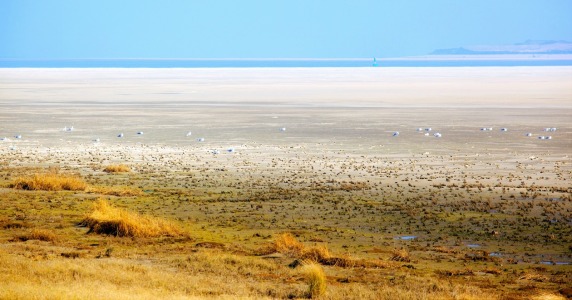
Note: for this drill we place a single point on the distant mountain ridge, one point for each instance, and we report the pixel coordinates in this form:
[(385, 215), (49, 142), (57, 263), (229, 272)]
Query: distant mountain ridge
[(526, 47)]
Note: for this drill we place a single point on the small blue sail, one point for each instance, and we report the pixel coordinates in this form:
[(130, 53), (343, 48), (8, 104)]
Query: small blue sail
[(374, 62)]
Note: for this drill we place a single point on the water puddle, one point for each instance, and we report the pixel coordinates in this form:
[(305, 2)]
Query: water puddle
[(555, 262), (406, 237)]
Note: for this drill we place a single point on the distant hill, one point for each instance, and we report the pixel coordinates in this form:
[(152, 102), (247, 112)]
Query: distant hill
[(527, 47)]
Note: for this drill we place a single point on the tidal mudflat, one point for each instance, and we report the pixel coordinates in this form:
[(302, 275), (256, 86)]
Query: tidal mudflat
[(263, 170)]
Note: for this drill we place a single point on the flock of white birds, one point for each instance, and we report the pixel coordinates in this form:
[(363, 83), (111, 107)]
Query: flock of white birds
[(425, 131)]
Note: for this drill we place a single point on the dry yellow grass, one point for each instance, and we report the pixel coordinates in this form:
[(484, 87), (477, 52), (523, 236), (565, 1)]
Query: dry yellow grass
[(400, 255), (40, 234), (204, 274), (317, 254), (120, 191), (287, 244), (315, 277), (117, 169), (547, 296), (106, 219), (50, 182), (54, 181), (534, 277), (6, 223)]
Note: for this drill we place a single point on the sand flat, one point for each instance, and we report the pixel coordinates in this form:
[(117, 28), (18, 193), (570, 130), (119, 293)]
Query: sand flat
[(543, 87), (342, 105)]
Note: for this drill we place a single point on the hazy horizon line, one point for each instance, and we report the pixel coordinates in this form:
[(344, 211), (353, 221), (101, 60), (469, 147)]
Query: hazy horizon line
[(422, 56)]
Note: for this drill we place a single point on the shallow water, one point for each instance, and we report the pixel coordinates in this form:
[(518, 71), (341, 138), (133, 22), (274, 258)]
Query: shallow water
[(555, 263), (407, 237)]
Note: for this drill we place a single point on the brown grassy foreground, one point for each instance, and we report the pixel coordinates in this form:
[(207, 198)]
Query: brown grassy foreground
[(199, 232)]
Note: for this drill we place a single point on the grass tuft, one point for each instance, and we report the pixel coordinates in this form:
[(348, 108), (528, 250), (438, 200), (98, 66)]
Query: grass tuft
[(315, 277), (317, 254), (106, 219), (50, 182), (117, 169), (39, 234), (401, 255), (287, 244)]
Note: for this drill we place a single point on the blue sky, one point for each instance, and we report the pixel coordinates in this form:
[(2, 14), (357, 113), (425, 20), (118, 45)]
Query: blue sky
[(270, 29)]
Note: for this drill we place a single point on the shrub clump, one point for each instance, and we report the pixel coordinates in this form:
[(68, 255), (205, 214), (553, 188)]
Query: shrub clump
[(400, 255), (106, 219), (315, 277), (117, 169), (50, 182), (287, 244)]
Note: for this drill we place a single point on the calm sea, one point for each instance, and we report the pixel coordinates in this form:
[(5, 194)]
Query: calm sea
[(268, 63)]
